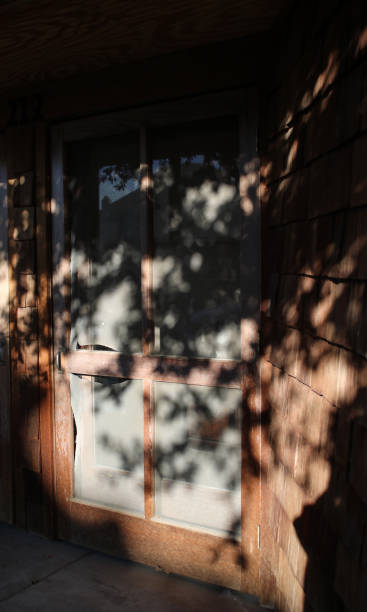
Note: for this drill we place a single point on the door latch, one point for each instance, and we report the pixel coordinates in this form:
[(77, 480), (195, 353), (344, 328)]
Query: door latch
[(58, 360)]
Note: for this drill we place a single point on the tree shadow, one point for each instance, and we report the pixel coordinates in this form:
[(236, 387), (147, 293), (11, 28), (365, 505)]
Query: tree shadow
[(313, 340), (197, 441), (313, 356)]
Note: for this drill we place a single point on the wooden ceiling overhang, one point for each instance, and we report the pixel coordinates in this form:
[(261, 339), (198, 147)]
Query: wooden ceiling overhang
[(48, 40)]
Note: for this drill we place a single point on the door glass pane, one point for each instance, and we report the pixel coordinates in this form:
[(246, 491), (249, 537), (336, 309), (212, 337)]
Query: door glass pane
[(104, 203), (196, 236), (109, 455), (198, 455), (105, 243)]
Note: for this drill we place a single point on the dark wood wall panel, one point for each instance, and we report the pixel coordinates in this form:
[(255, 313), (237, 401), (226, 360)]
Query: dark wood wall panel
[(180, 74), (29, 325), (5, 437)]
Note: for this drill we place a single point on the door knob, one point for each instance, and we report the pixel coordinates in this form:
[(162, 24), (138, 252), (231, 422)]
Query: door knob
[(58, 359)]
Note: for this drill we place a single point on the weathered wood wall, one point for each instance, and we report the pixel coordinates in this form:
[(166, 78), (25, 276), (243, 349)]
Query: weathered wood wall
[(314, 200)]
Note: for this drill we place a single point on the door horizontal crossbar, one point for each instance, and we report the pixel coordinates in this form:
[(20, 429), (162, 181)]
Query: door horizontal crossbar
[(207, 372)]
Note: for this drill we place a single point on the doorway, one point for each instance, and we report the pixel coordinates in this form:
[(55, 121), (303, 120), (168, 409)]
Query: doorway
[(154, 268)]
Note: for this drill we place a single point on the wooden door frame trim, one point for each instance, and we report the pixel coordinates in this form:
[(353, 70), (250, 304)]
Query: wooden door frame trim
[(42, 210), (63, 420), (250, 345)]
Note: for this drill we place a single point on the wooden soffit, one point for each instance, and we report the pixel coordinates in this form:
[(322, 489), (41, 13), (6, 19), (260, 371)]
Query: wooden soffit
[(46, 39)]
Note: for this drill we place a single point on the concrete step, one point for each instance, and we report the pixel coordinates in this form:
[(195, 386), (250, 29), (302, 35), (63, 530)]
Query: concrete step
[(39, 574)]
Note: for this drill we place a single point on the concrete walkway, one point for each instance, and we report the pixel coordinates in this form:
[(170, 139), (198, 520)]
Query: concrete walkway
[(38, 575)]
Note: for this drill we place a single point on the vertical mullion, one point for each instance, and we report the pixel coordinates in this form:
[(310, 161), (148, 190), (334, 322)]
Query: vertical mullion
[(147, 317), (146, 246), (148, 449)]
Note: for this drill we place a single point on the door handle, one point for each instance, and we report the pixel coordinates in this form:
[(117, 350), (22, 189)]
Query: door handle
[(94, 347), (58, 359)]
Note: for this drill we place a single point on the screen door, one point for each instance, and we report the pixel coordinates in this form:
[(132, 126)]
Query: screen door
[(153, 359)]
